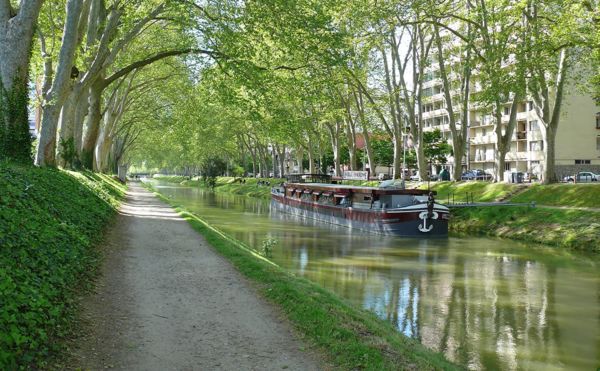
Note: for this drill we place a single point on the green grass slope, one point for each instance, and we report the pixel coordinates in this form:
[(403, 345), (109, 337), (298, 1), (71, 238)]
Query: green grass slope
[(49, 221), (576, 229), (477, 191), (573, 195)]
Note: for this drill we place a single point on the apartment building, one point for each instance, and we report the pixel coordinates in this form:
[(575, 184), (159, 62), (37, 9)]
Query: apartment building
[(577, 139)]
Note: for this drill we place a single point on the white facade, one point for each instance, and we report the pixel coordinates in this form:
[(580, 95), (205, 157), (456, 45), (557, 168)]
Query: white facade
[(577, 139)]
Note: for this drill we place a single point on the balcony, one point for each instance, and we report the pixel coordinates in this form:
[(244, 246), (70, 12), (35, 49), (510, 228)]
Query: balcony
[(520, 135), (432, 82), (435, 113), (535, 135), (516, 156), (437, 97), (536, 155), (483, 139), (483, 159)]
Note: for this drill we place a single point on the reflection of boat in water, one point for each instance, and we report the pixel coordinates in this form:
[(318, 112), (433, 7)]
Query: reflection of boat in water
[(381, 210)]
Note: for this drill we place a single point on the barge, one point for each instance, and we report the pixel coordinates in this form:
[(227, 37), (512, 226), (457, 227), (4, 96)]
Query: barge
[(381, 210)]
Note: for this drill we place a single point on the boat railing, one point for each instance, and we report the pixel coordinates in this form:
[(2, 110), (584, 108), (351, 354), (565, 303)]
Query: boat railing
[(469, 201)]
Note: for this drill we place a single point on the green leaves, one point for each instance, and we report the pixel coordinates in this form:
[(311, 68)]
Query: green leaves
[(48, 222)]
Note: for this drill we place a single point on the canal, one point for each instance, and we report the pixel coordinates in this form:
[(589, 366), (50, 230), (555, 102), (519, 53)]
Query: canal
[(485, 303)]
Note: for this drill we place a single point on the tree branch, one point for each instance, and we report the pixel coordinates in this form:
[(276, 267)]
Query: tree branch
[(29, 10), (203, 10), (6, 11), (455, 33), (144, 62), (288, 68), (135, 31)]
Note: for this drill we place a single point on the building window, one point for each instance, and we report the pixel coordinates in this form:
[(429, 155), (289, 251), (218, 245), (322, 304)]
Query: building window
[(507, 110), (533, 125), (598, 143), (583, 162), (598, 120), (483, 132), (507, 166), (538, 145), (530, 106)]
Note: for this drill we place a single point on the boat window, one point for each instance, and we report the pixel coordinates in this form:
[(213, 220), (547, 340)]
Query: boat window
[(324, 199)]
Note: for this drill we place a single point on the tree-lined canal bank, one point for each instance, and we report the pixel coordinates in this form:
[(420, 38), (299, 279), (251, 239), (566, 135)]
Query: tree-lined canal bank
[(485, 303)]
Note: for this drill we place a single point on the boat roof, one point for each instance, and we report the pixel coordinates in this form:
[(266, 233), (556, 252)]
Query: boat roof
[(345, 188)]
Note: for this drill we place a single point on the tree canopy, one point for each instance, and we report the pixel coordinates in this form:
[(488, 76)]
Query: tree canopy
[(268, 85)]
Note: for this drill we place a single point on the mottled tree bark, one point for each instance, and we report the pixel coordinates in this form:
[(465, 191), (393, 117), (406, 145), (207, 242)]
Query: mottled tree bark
[(16, 38), (46, 149)]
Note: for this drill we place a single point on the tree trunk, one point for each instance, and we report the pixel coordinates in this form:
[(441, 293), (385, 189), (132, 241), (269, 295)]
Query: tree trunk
[(351, 136), (300, 159), (549, 173), (311, 162), (500, 150), (398, 147), (397, 165), (46, 149), (458, 147), (103, 142), (459, 136), (281, 153), (81, 112), (311, 158), (262, 156), (66, 127), (422, 160), (334, 134), (503, 140), (16, 38), (358, 98), (369, 150), (92, 124)]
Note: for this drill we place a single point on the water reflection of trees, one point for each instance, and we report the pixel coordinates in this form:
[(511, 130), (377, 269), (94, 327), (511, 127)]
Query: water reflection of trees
[(482, 311), (483, 305)]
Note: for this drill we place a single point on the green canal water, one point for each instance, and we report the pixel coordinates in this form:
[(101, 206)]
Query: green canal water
[(485, 303)]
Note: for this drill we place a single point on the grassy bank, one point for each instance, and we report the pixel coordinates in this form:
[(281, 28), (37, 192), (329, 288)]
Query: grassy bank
[(351, 338), (476, 191), (571, 195), (250, 186), (49, 222), (574, 229)]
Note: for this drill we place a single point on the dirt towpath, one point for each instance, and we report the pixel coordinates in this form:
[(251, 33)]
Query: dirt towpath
[(166, 301)]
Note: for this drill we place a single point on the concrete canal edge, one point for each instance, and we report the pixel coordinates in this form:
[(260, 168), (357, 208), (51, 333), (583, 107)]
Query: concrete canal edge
[(349, 337)]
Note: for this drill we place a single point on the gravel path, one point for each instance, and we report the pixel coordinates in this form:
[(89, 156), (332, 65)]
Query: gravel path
[(166, 301)]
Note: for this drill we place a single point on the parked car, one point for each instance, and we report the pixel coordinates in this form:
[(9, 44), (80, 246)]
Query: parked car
[(417, 178), (582, 177), (476, 174)]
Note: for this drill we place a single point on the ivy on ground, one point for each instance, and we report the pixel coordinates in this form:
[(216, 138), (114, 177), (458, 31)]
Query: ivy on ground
[(49, 221)]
